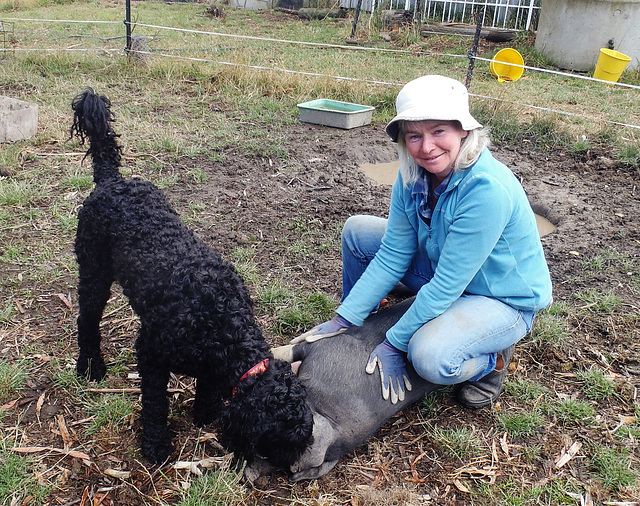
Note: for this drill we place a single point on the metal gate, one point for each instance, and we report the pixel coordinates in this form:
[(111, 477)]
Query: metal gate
[(514, 14)]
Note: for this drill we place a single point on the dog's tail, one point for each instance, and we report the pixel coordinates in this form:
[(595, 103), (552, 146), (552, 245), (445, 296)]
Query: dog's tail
[(92, 118)]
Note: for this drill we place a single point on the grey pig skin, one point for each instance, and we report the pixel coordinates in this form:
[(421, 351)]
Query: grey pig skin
[(346, 402)]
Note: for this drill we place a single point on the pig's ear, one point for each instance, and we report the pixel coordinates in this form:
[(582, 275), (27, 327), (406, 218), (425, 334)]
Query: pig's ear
[(316, 461)]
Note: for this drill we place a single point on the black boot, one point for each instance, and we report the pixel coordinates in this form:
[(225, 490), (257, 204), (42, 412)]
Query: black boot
[(485, 391)]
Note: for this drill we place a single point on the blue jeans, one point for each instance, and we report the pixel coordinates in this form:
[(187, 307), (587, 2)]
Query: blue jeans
[(459, 345)]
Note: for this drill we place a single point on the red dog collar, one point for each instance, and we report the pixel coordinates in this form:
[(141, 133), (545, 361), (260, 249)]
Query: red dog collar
[(259, 368)]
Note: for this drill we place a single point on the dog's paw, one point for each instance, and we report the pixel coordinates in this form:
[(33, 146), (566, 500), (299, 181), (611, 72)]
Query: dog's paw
[(92, 368), (154, 451)]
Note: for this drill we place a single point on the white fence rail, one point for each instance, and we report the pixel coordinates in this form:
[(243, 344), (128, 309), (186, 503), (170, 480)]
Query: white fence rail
[(514, 14)]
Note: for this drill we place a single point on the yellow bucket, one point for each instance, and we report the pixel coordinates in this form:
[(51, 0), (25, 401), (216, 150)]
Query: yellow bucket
[(610, 65), (502, 68)]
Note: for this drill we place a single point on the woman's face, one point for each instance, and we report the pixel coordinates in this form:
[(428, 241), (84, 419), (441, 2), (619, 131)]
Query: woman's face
[(434, 145)]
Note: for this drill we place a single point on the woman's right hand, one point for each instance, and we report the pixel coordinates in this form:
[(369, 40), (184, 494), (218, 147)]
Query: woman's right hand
[(337, 325)]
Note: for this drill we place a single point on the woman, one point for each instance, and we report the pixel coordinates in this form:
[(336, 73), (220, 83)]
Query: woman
[(461, 235)]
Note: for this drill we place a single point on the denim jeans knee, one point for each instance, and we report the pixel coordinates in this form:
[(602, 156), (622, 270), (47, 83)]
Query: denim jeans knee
[(361, 239), (461, 344)]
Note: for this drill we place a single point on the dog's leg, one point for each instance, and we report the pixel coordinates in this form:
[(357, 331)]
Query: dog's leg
[(154, 374), (208, 402), (93, 293)]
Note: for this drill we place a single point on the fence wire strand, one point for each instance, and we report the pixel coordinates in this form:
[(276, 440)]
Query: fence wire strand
[(328, 46)]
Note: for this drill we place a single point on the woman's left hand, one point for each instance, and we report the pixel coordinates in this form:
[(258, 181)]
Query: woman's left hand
[(393, 372)]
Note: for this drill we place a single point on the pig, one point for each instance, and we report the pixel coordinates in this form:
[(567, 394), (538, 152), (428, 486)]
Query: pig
[(345, 401)]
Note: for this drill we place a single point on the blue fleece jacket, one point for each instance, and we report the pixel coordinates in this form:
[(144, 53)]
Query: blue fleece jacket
[(482, 240)]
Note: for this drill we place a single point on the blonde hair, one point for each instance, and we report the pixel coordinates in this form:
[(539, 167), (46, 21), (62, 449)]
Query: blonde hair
[(470, 150)]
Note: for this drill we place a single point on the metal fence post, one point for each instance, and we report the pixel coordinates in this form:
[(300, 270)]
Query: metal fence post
[(474, 49)]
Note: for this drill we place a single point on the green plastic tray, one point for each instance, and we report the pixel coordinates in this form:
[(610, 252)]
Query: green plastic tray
[(334, 113)]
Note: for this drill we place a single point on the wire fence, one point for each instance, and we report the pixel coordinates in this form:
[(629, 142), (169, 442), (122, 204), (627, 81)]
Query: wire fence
[(260, 54)]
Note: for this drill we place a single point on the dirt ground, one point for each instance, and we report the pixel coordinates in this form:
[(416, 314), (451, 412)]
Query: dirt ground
[(595, 205)]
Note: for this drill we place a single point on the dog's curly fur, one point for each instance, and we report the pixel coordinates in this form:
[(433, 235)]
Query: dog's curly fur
[(195, 312)]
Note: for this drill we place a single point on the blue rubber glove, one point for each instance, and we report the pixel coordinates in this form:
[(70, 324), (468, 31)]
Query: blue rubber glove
[(393, 372), (337, 325)]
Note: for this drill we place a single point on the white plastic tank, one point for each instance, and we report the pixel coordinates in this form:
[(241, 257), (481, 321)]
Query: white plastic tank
[(571, 32)]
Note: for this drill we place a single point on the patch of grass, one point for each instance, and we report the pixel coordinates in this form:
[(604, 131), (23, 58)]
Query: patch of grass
[(113, 412), (293, 313), (431, 404), (606, 260), (18, 482), (121, 363), (7, 311), (167, 181), (524, 389), (519, 425), (514, 493), (629, 155), (599, 302), (198, 176), (65, 378), (594, 384), (218, 488), (571, 412), (612, 466), (550, 328), (78, 182), (304, 313), (12, 378), (15, 192), (273, 296), (460, 443), (530, 453), (244, 261)]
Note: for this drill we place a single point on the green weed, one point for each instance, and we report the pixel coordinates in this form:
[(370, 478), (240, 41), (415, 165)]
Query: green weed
[(432, 403), (549, 329), (244, 261), (460, 443), (571, 412), (519, 425), (218, 488), (18, 482), (613, 466), (18, 193), (594, 384), (65, 378), (304, 313), (12, 379), (524, 389), (110, 411), (514, 493), (599, 302)]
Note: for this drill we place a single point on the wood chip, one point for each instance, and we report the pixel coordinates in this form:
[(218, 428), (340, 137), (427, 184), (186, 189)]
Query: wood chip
[(568, 455), (460, 486), (120, 475), (39, 405), (36, 449), (65, 300), (64, 432)]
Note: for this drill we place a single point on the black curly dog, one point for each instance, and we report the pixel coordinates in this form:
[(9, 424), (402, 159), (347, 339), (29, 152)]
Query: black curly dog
[(195, 312)]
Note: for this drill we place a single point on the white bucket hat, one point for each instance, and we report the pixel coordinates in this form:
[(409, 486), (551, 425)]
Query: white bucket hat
[(432, 98)]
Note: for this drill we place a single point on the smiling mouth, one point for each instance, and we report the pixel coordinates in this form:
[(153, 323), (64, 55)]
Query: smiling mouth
[(429, 160)]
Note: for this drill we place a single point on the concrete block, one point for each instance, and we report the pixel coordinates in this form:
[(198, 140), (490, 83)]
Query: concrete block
[(18, 119)]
